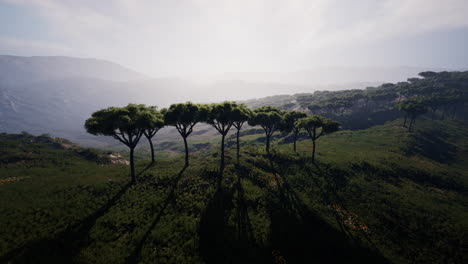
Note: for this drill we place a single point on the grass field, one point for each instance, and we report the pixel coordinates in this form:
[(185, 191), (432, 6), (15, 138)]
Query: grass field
[(376, 195)]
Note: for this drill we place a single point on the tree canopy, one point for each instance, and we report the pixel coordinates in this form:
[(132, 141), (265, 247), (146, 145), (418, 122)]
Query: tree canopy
[(155, 123), (184, 116), (289, 124), (125, 124), (221, 117), (317, 126), (270, 119)]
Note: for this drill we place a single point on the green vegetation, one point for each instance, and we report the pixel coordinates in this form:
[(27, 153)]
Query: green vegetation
[(270, 119), (385, 194), (126, 124), (317, 126), (362, 200), (155, 122), (184, 117)]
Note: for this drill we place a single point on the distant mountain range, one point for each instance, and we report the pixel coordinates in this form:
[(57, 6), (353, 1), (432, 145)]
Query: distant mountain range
[(56, 94)]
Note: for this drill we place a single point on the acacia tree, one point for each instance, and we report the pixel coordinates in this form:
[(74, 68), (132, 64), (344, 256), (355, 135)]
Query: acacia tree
[(289, 124), (220, 116), (240, 115), (155, 123), (184, 117), (317, 126), (126, 124), (269, 118)]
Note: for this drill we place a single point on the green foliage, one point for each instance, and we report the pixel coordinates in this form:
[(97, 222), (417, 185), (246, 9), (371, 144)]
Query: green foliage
[(126, 124), (289, 121), (240, 115), (270, 119), (185, 116), (317, 126), (221, 116)]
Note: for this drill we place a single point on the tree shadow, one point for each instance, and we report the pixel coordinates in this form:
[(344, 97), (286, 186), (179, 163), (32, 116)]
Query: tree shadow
[(215, 237), (64, 246), (225, 241), (431, 144), (333, 180), (67, 244), (135, 256), (300, 235)]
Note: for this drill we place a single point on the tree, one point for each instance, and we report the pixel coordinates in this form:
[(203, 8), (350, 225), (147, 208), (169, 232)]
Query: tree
[(314, 108), (269, 118), (184, 117), (156, 122), (289, 124), (433, 103), (220, 116), (412, 109), (126, 124), (240, 115), (317, 126)]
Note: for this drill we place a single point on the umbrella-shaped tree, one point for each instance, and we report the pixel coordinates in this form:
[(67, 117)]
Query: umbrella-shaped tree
[(155, 123), (241, 114), (317, 126), (290, 126), (184, 117), (220, 116), (269, 118), (126, 124)]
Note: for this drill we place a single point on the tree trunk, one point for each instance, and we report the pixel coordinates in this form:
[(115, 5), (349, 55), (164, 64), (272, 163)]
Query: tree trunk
[(313, 150), (186, 152), (132, 165), (411, 124), (404, 123), (295, 139), (152, 150), (238, 147), (268, 145), (222, 151)]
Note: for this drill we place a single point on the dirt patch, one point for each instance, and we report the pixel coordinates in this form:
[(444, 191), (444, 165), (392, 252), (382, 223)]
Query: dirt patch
[(350, 219)]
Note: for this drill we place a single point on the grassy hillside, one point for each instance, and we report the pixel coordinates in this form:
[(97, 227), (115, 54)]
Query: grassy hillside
[(376, 195)]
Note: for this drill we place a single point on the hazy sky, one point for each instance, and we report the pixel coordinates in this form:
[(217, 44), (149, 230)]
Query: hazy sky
[(175, 37)]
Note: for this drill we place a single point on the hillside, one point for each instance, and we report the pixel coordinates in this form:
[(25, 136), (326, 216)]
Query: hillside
[(379, 195)]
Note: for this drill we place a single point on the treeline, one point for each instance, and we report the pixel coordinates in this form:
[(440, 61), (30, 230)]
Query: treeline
[(443, 95), (129, 124)]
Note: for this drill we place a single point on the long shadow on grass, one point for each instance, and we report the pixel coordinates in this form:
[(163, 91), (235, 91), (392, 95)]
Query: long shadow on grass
[(299, 235), (64, 246), (221, 242), (136, 253)]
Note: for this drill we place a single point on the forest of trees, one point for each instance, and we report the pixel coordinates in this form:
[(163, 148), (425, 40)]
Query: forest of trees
[(443, 94)]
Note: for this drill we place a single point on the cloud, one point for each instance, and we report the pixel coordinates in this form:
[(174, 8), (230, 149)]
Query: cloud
[(231, 35)]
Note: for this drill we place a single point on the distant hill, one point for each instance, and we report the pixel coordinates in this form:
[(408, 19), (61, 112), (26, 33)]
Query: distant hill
[(16, 70)]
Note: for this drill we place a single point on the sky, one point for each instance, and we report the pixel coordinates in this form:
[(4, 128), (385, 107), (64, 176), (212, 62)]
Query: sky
[(180, 37)]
